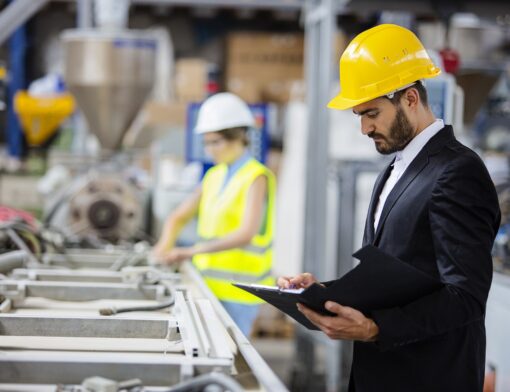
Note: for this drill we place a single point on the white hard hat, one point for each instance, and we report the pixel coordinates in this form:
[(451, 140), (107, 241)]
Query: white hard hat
[(223, 111)]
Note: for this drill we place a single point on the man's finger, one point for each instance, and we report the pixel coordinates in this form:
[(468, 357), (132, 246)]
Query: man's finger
[(303, 280), (314, 317), (340, 310), (283, 282), (335, 308)]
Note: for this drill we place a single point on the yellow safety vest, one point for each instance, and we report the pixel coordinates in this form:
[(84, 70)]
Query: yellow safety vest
[(221, 212)]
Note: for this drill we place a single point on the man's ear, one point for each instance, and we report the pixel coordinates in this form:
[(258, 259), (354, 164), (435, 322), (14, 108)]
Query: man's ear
[(411, 98)]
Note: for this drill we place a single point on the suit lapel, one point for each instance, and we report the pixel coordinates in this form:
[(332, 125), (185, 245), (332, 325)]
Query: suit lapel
[(378, 187), (434, 145), (407, 178)]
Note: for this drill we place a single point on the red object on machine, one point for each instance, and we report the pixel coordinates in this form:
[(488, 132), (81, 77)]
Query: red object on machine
[(451, 60), (8, 214)]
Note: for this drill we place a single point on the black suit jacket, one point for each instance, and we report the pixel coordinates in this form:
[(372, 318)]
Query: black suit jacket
[(441, 217)]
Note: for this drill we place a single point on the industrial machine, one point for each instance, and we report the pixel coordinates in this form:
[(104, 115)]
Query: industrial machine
[(104, 318), (110, 75), (88, 321)]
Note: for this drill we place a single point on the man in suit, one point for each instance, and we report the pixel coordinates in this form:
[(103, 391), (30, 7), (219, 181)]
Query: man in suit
[(434, 207)]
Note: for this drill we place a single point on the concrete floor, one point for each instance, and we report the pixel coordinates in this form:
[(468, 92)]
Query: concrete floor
[(278, 353)]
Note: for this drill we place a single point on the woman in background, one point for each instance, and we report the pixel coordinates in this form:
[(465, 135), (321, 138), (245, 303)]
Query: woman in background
[(235, 207)]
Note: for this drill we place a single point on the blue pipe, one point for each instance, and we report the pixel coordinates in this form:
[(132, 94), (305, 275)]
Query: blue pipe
[(16, 81)]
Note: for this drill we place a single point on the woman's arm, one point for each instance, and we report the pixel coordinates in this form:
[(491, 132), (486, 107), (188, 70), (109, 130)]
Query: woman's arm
[(254, 213), (176, 221)]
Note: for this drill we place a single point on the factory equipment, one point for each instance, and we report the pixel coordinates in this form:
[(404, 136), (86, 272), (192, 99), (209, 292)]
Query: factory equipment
[(110, 74), (99, 204), (40, 117), (108, 319), (80, 321)]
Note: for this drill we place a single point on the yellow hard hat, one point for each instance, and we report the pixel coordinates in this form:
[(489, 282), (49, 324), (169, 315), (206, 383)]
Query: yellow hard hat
[(380, 61)]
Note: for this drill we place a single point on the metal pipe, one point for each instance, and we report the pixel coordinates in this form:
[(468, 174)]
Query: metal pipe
[(17, 13), (319, 29), (84, 18), (12, 260), (20, 244)]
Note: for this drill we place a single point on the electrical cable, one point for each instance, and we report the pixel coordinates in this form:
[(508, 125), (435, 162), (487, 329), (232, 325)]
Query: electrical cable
[(111, 311)]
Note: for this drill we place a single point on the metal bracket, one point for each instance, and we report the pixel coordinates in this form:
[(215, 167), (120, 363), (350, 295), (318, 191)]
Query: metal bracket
[(187, 372), (216, 332), (15, 294), (5, 304), (82, 291), (186, 325)]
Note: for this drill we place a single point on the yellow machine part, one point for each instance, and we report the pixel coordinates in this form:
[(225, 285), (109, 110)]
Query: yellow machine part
[(41, 116)]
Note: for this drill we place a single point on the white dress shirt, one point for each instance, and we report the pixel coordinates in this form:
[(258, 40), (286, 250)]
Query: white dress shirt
[(402, 160)]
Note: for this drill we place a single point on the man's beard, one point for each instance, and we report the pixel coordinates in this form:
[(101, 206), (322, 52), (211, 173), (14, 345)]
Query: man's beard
[(401, 133)]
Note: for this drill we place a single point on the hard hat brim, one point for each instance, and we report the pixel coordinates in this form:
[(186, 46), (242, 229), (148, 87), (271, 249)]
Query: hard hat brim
[(223, 111), (226, 125), (341, 103)]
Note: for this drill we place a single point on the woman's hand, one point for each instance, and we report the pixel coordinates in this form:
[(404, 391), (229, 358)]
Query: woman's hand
[(176, 255), (158, 251)]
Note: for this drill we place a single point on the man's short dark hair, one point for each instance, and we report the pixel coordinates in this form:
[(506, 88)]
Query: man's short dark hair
[(422, 92)]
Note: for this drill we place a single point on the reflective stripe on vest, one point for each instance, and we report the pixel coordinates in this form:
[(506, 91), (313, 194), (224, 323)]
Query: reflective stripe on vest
[(248, 248), (234, 276), (221, 212)]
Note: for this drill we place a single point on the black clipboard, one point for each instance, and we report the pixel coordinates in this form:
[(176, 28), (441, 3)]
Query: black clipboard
[(379, 281), (287, 301)]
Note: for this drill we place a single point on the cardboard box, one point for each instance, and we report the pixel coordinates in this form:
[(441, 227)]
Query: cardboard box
[(278, 90), (262, 66), (191, 76), (267, 67), (247, 89), (166, 113), (155, 120)]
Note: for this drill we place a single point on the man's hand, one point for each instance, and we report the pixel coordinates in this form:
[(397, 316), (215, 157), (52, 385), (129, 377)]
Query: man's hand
[(300, 281), (348, 324)]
